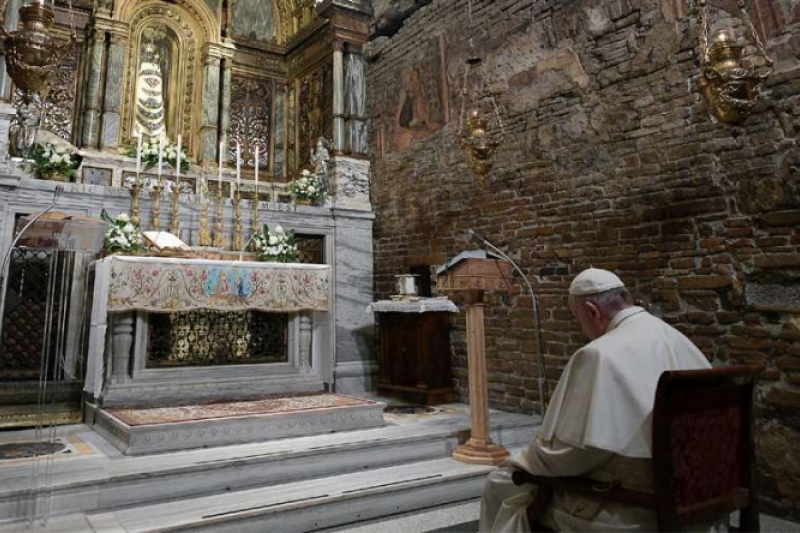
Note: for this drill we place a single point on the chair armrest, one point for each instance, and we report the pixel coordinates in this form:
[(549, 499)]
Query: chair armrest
[(588, 487)]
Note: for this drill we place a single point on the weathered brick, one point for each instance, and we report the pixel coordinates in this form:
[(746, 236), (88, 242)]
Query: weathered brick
[(704, 282)]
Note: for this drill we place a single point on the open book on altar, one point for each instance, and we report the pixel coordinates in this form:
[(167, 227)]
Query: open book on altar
[(164, 241)]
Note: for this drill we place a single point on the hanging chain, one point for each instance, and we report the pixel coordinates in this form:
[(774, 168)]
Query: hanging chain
[(703, 14), (753, 33)]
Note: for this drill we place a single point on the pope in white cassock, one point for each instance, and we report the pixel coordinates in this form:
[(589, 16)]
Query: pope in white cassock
[(598, 424)]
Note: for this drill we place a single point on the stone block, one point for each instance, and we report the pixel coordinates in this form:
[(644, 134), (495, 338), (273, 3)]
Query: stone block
[(704, 282)]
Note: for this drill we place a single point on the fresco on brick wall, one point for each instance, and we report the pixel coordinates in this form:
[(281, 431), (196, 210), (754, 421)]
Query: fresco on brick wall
[(419, 106), (611, 159)]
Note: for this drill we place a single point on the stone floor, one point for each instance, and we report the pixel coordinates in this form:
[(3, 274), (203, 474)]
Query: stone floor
[(295, 484)]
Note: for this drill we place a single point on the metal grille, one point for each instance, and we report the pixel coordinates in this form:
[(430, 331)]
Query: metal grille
[(196, 338), (26, 315), (310, 249)]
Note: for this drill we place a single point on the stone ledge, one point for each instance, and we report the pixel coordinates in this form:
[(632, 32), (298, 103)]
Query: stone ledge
[(157, 438)]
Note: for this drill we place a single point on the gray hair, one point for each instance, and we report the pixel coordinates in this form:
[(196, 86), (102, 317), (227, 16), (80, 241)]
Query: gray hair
[(610, 302)]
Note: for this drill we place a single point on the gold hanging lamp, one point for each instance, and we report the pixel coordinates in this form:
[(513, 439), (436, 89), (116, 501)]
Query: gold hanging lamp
[(730, 85)]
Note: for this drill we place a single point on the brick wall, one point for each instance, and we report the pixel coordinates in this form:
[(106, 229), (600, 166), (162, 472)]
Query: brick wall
[(612, 160)]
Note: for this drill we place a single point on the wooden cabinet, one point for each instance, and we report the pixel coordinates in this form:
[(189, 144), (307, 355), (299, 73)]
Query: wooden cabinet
[(415, 357)]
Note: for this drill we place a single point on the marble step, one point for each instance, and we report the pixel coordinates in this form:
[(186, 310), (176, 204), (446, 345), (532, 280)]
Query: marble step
[(101, 483), (225, 430), (307, 505)]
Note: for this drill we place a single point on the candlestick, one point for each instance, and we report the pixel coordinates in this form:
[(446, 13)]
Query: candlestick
[(221, 156), (138, 154), (136, 189), (256, 195), (175, 224), (178, 162), (160, 156), (238, 167), (219, 237), (155, 194), (238, 238), (204, 238)]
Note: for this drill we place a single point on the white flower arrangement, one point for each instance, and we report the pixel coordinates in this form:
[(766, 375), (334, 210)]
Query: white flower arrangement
[(277, 246), (307, 188), (150, 153), (50, 159), (122, 236)]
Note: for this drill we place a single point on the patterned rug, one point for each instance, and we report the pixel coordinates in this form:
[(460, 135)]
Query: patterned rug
[(265, 406)]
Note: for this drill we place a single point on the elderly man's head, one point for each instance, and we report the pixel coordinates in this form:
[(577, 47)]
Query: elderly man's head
[(595, 297)]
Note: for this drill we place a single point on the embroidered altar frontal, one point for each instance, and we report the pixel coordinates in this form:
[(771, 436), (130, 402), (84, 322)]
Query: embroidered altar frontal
[(165, 285)]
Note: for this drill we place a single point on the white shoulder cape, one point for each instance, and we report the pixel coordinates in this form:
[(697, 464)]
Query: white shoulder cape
[(605, 396)]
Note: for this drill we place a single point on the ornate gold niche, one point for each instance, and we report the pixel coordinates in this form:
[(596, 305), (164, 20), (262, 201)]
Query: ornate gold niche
[(192, 26)]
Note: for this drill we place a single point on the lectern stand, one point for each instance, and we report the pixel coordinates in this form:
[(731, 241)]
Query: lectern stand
[(472, 274)]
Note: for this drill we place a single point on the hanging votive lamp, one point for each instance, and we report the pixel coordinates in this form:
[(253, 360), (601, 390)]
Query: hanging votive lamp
[(479, 141), (732, 84)]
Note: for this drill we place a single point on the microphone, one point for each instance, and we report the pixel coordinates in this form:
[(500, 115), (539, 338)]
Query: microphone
[(542, 380), (475, 237), (3, 274)]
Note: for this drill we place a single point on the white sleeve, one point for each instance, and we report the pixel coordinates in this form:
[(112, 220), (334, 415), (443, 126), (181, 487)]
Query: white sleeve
[(557, 459)]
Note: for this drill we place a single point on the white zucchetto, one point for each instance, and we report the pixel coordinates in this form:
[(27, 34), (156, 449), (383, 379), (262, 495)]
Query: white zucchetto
[(593, 281)]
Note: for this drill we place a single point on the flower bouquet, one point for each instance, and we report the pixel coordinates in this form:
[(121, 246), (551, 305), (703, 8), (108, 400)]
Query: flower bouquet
[(306, 189), (150, 154), (123, 236), (54, 162), (276, 246)]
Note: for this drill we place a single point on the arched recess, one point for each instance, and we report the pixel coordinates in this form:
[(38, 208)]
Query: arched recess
[(194, 26)]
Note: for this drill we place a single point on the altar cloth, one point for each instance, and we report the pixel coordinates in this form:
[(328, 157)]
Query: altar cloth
[(166, 285)]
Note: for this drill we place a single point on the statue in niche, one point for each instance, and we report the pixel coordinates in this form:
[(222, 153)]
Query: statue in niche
[(320, 157), (154, 109), (22, 133), (150, 110)]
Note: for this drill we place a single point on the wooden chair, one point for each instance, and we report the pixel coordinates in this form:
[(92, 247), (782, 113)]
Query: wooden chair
[(703, 453)]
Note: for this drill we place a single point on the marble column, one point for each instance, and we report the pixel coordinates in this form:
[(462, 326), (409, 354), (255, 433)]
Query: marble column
[(355, 93), (225, 111), (338, 97), (305, 341), (94, 90), (112, 101), (356, 366), (121, 344), (209, 127)]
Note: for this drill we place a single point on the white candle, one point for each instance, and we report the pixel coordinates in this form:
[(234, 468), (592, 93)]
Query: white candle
[(256, 196), (138, 154), (221, 155), (238, 167), (178, 163), (160, 156)]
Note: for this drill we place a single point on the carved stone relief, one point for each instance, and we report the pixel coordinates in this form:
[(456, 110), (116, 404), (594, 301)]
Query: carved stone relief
[(251, 102), (58, 108)]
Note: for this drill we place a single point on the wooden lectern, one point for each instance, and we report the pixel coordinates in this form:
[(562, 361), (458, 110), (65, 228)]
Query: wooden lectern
[(473, 273)]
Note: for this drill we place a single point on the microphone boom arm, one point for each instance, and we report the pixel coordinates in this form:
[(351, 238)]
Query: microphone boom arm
[(542, 380)]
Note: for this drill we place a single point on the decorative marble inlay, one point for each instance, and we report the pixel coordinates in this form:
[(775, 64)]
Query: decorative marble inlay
[(251, 101)]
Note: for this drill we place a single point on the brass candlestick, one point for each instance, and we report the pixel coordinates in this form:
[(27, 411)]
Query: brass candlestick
[(238, 238), (136, 190), (219, 237), (205, 235), (155, 194), (254, 217), (175, 224)]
